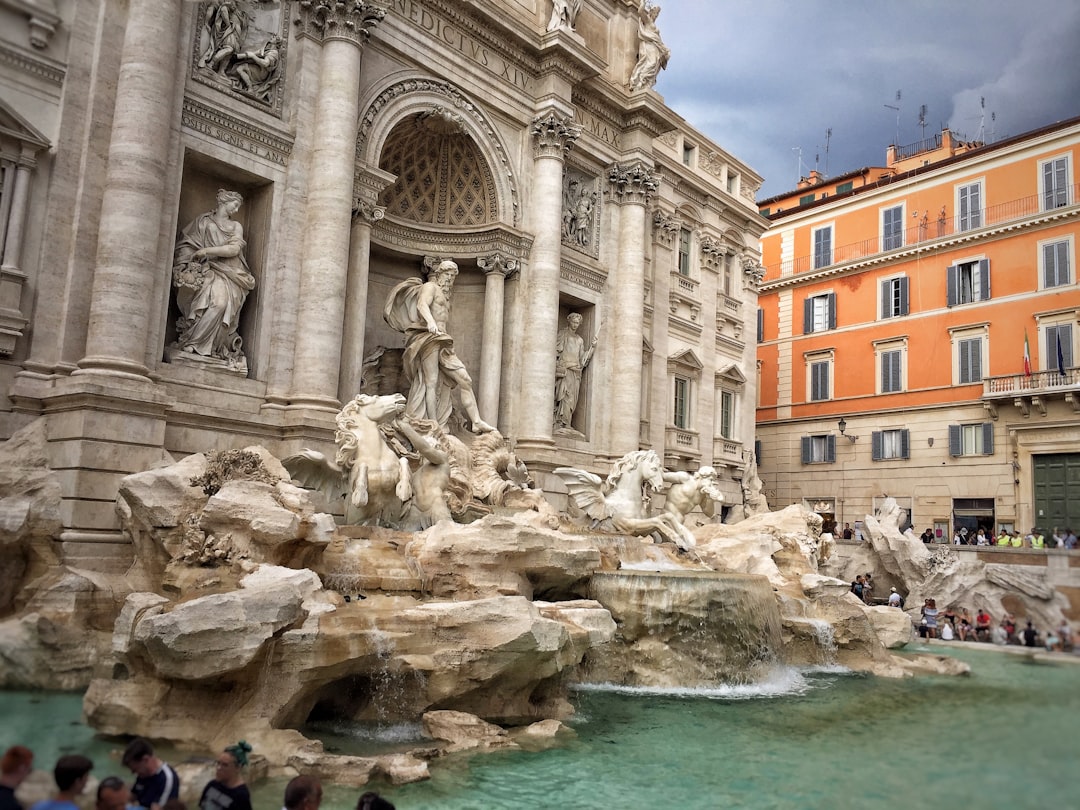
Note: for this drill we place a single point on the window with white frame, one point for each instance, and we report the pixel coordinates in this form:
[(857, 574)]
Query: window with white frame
[(967, 282), (888, 444), (819, 449), (1058, 345), (684, 251), (819, 313), (823, 246), (684, 375), (969, 358), (732, 183), (730, 263), (894, 297), (1055, 183), (969, 206), (892, 228), (1056, 267), (890, 363), (819, 376), (971, 440)]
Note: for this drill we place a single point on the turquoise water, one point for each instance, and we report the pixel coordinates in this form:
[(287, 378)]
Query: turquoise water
[(1004, 737)]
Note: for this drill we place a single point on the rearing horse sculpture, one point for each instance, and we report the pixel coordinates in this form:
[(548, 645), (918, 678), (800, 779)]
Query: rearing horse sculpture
[(621, 500)]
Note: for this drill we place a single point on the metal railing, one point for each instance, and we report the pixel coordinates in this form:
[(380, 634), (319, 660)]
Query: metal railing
[(926, 229), (1037, 382)]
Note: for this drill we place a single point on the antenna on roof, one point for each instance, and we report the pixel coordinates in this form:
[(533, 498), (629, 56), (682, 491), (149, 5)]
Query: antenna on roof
[(896, 108), (982, 118), (828, 137), (922, 121), (798, 163)]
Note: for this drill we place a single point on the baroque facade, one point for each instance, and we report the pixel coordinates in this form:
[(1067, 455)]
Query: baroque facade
[(205, 206), (919, 326)]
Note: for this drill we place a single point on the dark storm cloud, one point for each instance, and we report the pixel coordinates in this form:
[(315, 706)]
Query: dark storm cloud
[(766, 78)]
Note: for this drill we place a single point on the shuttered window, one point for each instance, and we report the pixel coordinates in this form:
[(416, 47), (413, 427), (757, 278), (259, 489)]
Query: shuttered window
[(887, 444), (970, 360), (969, 203), (1056, 264), (823, 247), (894, 297), (971, 440), (819, 449), (892, 228), (891, 371), (1055, 183), (967, 282)]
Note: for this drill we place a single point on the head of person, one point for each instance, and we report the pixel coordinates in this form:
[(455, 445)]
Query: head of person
[(373, 801), (303, 793), (112, 794), (231, 762), (71, 773), (229, 200), (445, 272), (15, 765), (139, 758)]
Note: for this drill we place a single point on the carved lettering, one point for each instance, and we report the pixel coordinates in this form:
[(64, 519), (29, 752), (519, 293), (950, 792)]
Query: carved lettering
[(449, 33), (594, 126)]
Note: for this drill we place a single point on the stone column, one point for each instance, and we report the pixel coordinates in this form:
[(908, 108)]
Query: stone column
[(631, 188), (352, 344), (131, 205), (497, 268), (342, 28), (12, 278), (553, 136)]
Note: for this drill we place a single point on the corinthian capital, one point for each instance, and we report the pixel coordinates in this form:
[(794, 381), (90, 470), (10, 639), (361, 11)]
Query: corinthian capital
[(497, 263), (633, 183), (553, 135), (352, 20)]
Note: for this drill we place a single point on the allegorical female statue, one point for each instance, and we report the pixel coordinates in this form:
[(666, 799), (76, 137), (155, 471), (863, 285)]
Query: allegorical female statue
[(653, 54), (212, 282), (571, 358)]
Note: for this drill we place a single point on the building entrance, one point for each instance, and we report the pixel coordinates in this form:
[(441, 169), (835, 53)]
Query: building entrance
[(1057, 491)]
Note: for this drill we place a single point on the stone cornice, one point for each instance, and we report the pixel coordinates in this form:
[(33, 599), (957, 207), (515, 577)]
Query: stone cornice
[(394, 233), (633, 183), (349, 20), (553, 135), (368, 184), (39, 66), (41, 17), (235, 132), (582, 276)]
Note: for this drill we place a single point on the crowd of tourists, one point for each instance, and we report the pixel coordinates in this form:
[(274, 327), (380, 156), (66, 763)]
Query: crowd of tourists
[(1035, 539), (950, 625), (156, 785)]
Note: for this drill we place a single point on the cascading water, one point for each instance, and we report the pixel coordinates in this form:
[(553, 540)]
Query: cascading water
[(685, 628)]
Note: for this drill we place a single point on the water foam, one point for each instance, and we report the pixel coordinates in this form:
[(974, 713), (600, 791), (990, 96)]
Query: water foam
[(780, 682)]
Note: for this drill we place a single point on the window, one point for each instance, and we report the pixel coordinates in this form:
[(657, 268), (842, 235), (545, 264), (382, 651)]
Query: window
[(732, 183), (1059, 354), (819, 313), (806, 199), (894, 297), (968, 282), (971, 440), (892, 379), (892, 228), (1055, 264), (969, 356), (848, 186), (823, 247), (729, 273), (727, 414), (687, 153), (682, 403), (684, 251), (969, 204), (886, 444), (764, 212), (760, 325), (1055, 183), (819, 449), (819, 380)]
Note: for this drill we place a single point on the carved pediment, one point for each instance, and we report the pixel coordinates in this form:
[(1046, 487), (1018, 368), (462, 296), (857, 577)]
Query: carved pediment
[(14, 127)]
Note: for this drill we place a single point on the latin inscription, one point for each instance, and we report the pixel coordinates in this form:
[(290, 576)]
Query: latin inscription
[(449, 33), (593, 125)]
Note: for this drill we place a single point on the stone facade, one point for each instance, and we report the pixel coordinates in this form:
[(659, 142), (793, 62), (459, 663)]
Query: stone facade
[(365, 142)]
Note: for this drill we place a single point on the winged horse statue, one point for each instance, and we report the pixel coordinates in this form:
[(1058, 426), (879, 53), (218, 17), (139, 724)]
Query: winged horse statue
[(621, 499)]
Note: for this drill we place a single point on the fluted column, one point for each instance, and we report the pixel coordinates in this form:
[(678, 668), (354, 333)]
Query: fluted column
[(342, 28), (631, 188), (496, 270), (131, 204), (553, 136)]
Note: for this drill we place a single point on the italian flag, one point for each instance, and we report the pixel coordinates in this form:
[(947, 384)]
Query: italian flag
[(1027, 356)]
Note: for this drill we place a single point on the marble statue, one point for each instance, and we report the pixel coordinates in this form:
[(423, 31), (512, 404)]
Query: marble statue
[(421, 310), (563, 14), (578, 204), (653, 54), (258, 72), (212, 282), (571, 359), (690, 491), (621, 499), (223, 33)]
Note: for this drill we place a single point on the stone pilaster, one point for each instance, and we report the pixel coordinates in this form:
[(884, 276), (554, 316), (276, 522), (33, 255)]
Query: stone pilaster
[(497, 268), (12, 278), (342, 29), (131, 206), (553, 136), (631, 188)]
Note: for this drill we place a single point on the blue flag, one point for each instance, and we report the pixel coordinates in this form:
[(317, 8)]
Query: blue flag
[(1061, 356)]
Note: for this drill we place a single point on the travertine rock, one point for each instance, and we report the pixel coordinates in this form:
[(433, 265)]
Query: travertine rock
[(892, 625), (465, 731)]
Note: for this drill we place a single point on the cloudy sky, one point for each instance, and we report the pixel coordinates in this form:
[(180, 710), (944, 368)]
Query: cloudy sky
[(765, 77)]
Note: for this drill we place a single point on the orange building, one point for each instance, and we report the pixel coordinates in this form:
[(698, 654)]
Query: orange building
[(897, 309)]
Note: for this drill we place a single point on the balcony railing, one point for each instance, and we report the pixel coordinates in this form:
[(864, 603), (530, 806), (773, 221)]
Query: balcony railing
[(927, 229), (1040, 382)]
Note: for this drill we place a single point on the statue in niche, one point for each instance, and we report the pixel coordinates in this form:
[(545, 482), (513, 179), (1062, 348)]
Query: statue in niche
[(421, 310), (653, 54), (571, 358), (257, 72), (223, 32), (578, 204), (563, 14), (212, 283), (690, 491)]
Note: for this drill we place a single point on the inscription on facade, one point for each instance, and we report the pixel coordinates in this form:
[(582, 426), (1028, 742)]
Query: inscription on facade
[(452, 35), (235, 132), (596, 127)]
